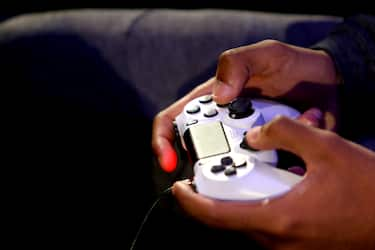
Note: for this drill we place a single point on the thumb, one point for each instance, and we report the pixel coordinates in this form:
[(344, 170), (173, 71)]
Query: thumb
[(231, 76), (291, 135), (312, 117)]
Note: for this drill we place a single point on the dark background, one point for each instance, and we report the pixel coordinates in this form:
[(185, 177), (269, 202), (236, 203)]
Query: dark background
[(342, 8), (93, 205)]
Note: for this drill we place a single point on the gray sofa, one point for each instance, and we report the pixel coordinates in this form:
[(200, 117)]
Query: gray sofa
[(160, 53)]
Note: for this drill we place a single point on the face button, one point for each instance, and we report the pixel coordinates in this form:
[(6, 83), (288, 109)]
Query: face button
[(230, 171), (193, 109), (210, 113), (217, 168), (205, 99), (226, 161)]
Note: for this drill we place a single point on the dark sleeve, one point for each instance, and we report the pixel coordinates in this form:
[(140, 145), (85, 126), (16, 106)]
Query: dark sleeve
[(352, 47)]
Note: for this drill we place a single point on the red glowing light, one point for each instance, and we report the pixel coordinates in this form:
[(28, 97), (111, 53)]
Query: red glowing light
[(169, 161)]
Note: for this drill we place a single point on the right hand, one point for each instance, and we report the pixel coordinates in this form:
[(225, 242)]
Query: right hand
[(333, 207), (273, 69)]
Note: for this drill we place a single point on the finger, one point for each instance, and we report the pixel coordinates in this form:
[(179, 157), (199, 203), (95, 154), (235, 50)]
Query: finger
[(162, 143), (238, 66), (231, 76), (163, 133), (290, 135), (222, 214), (312, 117)]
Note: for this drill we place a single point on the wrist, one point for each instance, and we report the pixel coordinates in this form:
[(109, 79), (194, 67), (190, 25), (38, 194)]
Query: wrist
[(318, 66), (330, 72)]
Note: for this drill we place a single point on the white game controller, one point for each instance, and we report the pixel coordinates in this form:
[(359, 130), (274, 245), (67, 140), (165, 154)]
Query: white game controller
[(225, 167)]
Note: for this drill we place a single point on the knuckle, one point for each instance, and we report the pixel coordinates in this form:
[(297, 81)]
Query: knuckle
[(274, 126), (273, 44), (329, 140), (286, 225), (228, 56), (157, 118), (160, 116)]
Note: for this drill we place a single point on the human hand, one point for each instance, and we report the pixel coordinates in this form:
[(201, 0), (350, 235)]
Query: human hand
[(333, 207), (274, 69), (163, 133), (303, 77)]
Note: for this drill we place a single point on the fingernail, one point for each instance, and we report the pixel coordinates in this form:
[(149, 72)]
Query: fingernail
[(315, 113), (297, 170), (187, 181), (253, 134), (180, 185), (221, 91)]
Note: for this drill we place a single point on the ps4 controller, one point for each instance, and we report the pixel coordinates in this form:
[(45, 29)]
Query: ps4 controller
[(225, 167)]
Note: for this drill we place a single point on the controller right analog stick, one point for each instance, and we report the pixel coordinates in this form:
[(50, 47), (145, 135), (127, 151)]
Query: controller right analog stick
[(240, 108)]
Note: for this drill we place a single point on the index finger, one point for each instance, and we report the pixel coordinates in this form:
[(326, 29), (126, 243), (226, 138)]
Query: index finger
[(163, 133), (262, 216)]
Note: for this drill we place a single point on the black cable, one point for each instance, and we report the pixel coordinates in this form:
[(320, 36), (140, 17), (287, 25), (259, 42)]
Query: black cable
[(165, 192)]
